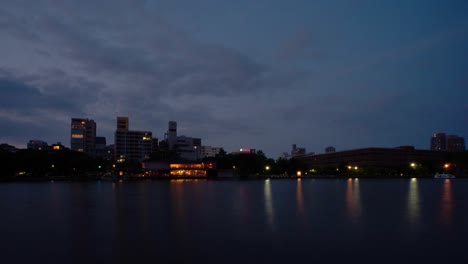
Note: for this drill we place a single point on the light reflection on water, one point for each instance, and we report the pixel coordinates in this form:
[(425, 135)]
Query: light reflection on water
[(414, 205), (194, 220), (268, 204), (446, 203), (300, 199), (353, 200)]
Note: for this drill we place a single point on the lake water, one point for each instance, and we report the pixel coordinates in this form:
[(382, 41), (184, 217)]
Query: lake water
[(265, 221)]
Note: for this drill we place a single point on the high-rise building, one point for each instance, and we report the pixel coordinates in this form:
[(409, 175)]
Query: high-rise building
[(455, 143), (131, 145), (83, 134), (187, 147), (443, 142), (438, 142), (171, 135), (122, 123)]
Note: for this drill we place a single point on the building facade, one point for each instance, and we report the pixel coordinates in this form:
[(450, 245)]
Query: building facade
[(187, 148), (209, 151), (391, 158), (83, 134), (455, 143), (443, 142), (131, 145)]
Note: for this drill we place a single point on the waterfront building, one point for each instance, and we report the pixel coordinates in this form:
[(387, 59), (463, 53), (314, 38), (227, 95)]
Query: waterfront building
[(390, 158), (179, 170), (209, 151), (443, 142), (83, 134), (37, 144), (131, 145)]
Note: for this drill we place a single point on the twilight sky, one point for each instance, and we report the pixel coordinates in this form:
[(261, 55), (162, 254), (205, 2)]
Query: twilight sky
[(247, 73)]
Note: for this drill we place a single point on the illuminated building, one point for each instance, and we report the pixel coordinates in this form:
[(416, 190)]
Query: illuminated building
[(37, 145), (83, 134), (443, 142), (131, 145), (57, 146), (180, 170)]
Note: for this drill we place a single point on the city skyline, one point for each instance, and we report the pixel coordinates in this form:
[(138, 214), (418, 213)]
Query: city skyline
[(262, 74)]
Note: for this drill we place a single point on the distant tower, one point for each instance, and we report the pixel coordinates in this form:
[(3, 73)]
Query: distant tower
[(330, 149), (438, 142), (172, 134)]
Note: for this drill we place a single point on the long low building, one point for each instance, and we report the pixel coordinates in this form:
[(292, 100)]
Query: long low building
[(391, 158)]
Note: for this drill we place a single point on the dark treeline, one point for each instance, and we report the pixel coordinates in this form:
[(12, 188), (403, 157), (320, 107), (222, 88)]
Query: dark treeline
[(39, 164), (36, 164)]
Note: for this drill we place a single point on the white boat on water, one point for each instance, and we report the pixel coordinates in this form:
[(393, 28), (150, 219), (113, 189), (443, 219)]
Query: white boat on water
[(444, 176)]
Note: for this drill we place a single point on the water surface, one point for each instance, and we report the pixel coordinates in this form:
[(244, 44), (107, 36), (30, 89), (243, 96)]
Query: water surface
[(267, 221)]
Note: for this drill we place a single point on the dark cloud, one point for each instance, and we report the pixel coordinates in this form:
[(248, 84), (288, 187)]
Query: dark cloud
[(287, 83)]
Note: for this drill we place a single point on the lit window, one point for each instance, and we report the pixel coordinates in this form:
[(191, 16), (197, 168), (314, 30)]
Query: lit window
[(77, 136)]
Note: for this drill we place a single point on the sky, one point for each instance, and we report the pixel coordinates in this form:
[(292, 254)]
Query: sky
[(261, 74)]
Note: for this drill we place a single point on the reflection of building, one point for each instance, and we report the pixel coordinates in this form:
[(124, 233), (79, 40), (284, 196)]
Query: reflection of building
[(395, 158), (37, 145), (209, 151), (83, 134), (131, 145), (442, 142), (297, 151)]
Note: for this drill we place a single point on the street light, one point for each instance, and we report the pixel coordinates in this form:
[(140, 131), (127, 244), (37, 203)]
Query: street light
[(267, 168)]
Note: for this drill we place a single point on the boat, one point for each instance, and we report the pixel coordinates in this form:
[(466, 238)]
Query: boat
[(444, 176)]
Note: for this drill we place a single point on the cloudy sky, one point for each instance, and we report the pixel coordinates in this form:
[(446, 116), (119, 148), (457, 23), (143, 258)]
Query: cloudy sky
[(247, 73)]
